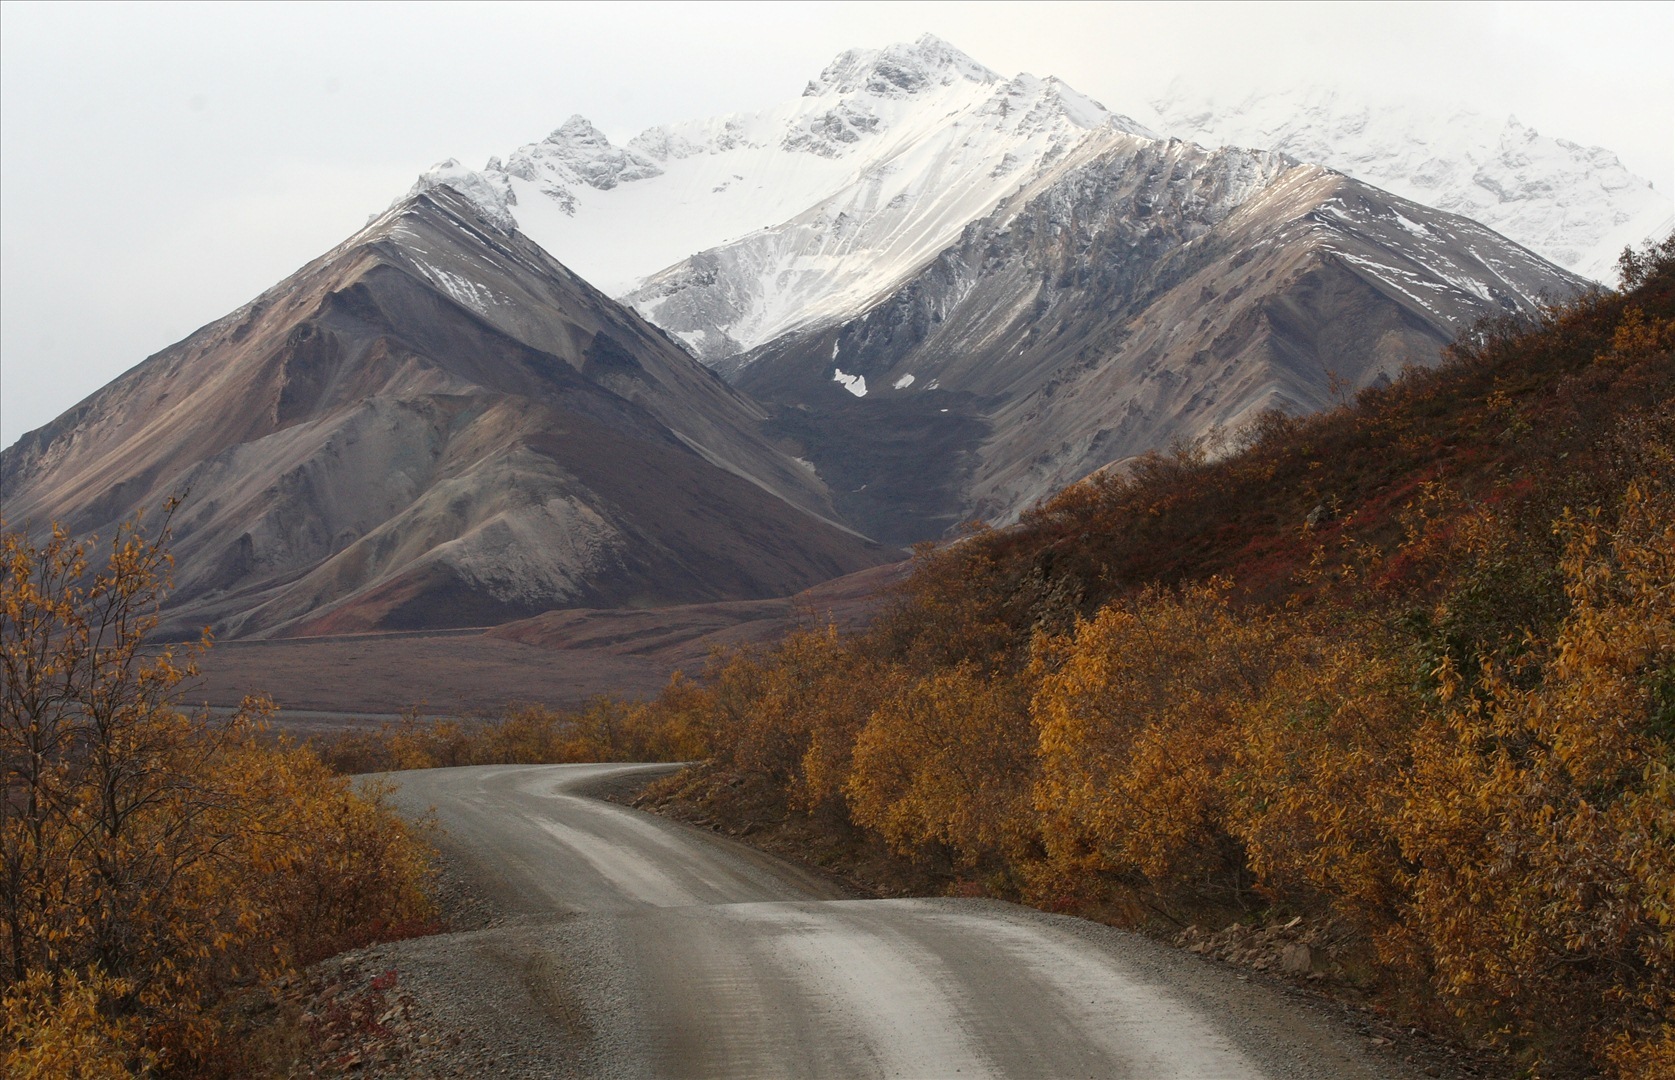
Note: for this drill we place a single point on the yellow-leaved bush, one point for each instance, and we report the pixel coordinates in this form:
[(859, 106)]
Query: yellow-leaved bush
[(1317, 772), (1540, 820), (946, 760), (1136, 718), (153, 862)]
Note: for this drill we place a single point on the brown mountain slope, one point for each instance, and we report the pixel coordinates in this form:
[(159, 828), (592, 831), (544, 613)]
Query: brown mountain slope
[(435, 424)]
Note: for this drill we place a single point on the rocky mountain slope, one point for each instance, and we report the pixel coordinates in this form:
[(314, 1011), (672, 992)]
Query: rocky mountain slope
[(1160, 291), (434, 424), (1573, 205)]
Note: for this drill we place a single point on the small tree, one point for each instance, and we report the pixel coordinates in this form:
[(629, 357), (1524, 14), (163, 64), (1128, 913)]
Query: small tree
[(1635, 268), (152, 861), (110, 815)]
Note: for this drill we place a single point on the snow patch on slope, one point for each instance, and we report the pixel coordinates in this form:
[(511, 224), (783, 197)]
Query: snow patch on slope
[(855, 384)]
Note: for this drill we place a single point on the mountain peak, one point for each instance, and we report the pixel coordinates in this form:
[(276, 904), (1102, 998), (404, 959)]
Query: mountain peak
[(488, 190), (434, 424), (1052, 95), (578, 130), (899, 70), (861, 137)]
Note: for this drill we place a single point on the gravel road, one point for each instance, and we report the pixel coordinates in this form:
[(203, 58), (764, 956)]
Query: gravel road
[(626, 945)]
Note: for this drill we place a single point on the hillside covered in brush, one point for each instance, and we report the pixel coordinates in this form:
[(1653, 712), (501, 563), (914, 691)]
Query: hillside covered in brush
[(1404, 669)]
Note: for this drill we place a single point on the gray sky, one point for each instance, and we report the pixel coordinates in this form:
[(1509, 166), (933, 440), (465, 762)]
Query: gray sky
[(161, 164)]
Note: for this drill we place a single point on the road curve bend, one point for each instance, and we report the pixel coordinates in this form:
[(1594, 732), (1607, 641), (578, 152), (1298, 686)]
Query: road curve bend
[(633, 946)]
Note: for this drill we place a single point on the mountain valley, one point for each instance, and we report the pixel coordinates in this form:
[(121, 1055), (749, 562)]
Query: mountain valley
[(936, 575)]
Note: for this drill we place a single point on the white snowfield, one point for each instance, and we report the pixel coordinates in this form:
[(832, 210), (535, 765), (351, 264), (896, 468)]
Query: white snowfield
[(732, 231), (809, 210), (1573, 205)]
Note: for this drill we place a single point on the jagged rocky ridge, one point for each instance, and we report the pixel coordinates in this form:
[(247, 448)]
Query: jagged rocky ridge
[(435, 424), (730, 231)]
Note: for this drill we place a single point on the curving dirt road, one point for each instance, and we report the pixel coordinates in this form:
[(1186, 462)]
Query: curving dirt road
[(632, 946)]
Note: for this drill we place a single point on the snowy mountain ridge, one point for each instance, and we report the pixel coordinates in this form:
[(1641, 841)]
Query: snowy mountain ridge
[(825, 200), (1573, 205), (731, 231)]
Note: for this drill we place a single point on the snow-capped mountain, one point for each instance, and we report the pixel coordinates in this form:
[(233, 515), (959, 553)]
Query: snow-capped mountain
[(965, 291), (804, 212), (730, 231), (1157, 291), (1573, 205)]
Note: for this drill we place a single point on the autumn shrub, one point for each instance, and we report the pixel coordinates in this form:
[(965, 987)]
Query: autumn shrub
[(153, 862), (57, 1024), (672, 728), (1137, 728), (948, 760), (790, 714), (1314, 782), (525, 734), (1540, 819), (342, 869)]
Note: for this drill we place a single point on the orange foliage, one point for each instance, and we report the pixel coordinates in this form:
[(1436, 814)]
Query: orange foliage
[(1317, 773), (1136, 734), (1541, 819), (55, 1025), (152, 862), (946, 759), (525, 735)]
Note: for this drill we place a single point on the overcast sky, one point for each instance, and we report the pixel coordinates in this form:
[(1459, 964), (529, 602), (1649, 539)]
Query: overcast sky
[(161, 164)]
